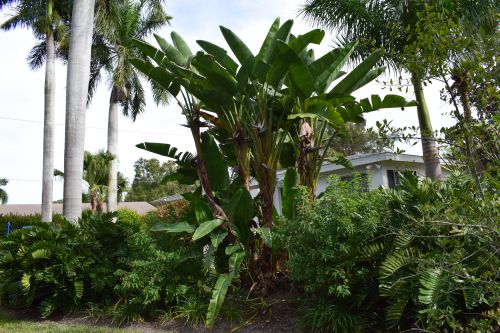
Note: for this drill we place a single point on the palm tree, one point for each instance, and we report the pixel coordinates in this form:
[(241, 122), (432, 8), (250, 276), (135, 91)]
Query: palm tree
[(49, 25), (3, 195), (389, 24), (76, 96), (116, 26)]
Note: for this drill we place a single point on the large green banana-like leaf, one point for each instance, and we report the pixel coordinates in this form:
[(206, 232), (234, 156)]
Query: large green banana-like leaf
[(260, 65), (327, 68), (157, 74), (164, 149), (220, 55), (218, 295), (300, 43), (290, 180), (215, 164), (348, 84), (205, 228), (171, 52), (215, 73), (240, 50), (369, 77), (241, 209), (181, 45), (301, 79), (156, 55)]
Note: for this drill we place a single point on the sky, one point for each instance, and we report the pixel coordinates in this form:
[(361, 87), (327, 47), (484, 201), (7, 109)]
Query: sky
[(21, 94)]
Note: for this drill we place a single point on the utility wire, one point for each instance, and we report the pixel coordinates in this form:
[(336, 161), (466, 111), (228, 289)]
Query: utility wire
[(93, 127)]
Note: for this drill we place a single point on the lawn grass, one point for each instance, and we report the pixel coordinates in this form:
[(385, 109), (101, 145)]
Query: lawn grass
[(9, 325)]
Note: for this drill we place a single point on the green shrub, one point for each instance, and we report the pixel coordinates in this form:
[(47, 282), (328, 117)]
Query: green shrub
[(328, 243), (59, 265), (17, 221)]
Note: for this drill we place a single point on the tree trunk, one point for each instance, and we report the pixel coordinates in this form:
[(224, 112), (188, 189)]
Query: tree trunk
[(112, 193), (48, 122), (76, 97), (429, 144)]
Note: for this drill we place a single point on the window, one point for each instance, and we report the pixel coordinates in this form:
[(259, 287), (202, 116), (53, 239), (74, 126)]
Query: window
[(394, 177)]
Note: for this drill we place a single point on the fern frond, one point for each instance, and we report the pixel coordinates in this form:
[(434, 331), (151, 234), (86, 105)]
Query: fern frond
[(395, 311), (429, 281)]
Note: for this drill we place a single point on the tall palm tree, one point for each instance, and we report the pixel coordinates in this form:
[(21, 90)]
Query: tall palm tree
[(116, 25), (48, 22), (389, 24), (76, 96), (3, 195)]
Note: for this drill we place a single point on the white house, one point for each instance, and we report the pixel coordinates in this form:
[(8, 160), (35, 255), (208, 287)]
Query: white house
[(381, 170)]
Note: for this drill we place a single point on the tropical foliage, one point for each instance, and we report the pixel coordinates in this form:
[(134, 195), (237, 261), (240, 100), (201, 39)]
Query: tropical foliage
[(422, 256)]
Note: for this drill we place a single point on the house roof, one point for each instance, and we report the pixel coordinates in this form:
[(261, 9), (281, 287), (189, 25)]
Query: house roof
[(140, 207)]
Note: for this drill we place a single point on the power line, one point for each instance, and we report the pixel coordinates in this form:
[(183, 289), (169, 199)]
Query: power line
[(94, 127)]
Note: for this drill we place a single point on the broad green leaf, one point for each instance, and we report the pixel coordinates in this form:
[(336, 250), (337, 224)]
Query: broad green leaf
[(290, 180), (241, 209), (232, 249), (240, 50), (217, 238), (164, 149), (348, 83), (396, 101), (302, 115), (220, 55), (260, 67), (158, 74), (327, 68), (282, 34), (158, 56), (265, 233), (302, 79), (369, 77), (173, 227), (205, 228), (314, 36), (218, 295), (215, 73), (215, 164), (288, 156), (234, 262), (170, 51), (341, 160), (202, 211), (181, 45)]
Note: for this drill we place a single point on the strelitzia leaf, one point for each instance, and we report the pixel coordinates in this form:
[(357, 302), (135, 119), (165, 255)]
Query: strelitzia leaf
[(205, 228)]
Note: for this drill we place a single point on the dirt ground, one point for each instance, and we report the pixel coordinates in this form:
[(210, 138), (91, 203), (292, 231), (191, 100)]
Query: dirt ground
[(278, 316)]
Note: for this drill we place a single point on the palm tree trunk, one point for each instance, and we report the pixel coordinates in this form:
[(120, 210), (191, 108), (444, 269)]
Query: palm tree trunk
[(76, 96), (112, 193), (48, 122), (429, 144)]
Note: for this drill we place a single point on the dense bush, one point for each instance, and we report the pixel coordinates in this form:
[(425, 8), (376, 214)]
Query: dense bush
[(118, 266), (327, 242), (423, 256), (17, 221), (56, 265)]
